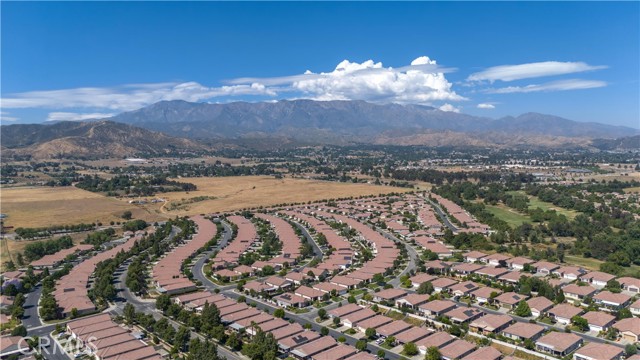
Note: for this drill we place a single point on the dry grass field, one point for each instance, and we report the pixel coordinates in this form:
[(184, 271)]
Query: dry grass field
[(45, 206), (233, 193)]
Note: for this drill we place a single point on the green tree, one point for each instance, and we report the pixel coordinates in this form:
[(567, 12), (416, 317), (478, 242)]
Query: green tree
[(234, 342), (370, 333), (425, 288), (580, 322), (361, 345), (410, 349), (127, 215), (162, 302), (19, 331), (279, 313), (324, 331), (263, 346), (129, 313), (322, 313), (336, 321), (432, 353), (522, 309), (181, 338), (351, 299)]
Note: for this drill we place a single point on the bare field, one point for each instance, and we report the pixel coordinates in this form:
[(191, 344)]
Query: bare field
[(46, 206), (233, 193)]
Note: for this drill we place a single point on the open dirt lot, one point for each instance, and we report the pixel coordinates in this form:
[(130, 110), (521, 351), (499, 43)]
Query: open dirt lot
[(233, 193), (45, 206)]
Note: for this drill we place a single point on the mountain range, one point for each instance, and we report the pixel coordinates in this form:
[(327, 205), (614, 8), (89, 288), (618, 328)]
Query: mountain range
[(340, 121), (95, 139), (175, 126)]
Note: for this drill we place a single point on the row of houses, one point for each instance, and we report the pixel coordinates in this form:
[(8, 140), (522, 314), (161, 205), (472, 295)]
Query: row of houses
[(101, 338), (71, 290), (166, 274)]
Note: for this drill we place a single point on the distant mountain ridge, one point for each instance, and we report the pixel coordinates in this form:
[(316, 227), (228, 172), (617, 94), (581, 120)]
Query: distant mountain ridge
[(340, 121), (96, 139)]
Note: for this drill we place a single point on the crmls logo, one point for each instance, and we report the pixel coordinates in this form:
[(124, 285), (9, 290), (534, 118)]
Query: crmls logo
[(46, 346)]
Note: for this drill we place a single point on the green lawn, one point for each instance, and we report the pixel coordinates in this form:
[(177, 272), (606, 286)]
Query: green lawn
[(510, 216), (534, 202), (594, 264)]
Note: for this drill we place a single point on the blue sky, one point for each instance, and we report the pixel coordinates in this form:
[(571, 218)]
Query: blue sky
[(71, 60)]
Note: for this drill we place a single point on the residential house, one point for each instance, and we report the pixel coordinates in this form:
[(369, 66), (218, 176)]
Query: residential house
[(421, 278), (352, 319), (388, 295), (539, 305), (569, 272), (630, 284), (545, 267), (287, 300), (464, 288), (484, 353), (577, 292), (483, 294), (509, 300), (413, 334), (309, 293), (522, 331), (373, 322), (307, 350), (473, 256), (442, 284), (497, 260), (558, 343), (436, 308), (457, 350), (439, 340), (635, 308), (490, 323), (562, 313), (461, 315), (412, 301), (609, 301), (393, 328), (599, 321), (518, 263), (597, 278), (344, 310), (339, 352), (629, 329), (596, 351)]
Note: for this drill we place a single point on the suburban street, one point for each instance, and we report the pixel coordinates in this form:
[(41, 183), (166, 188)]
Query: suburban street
[(31, 318), (443, 216), (310, 239)]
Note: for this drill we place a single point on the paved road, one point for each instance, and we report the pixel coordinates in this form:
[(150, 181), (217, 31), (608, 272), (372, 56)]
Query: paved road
[(302, 320), (31, 317), (197, 269), (316, 249), (443, 216), (148, 307), (413, 256), (49, 348)]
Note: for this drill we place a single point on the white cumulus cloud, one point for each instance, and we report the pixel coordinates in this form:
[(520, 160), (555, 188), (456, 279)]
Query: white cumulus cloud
[(421, 82), (561, 85), (70, 116), (531, 70), (449, 108), (486, 106)]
